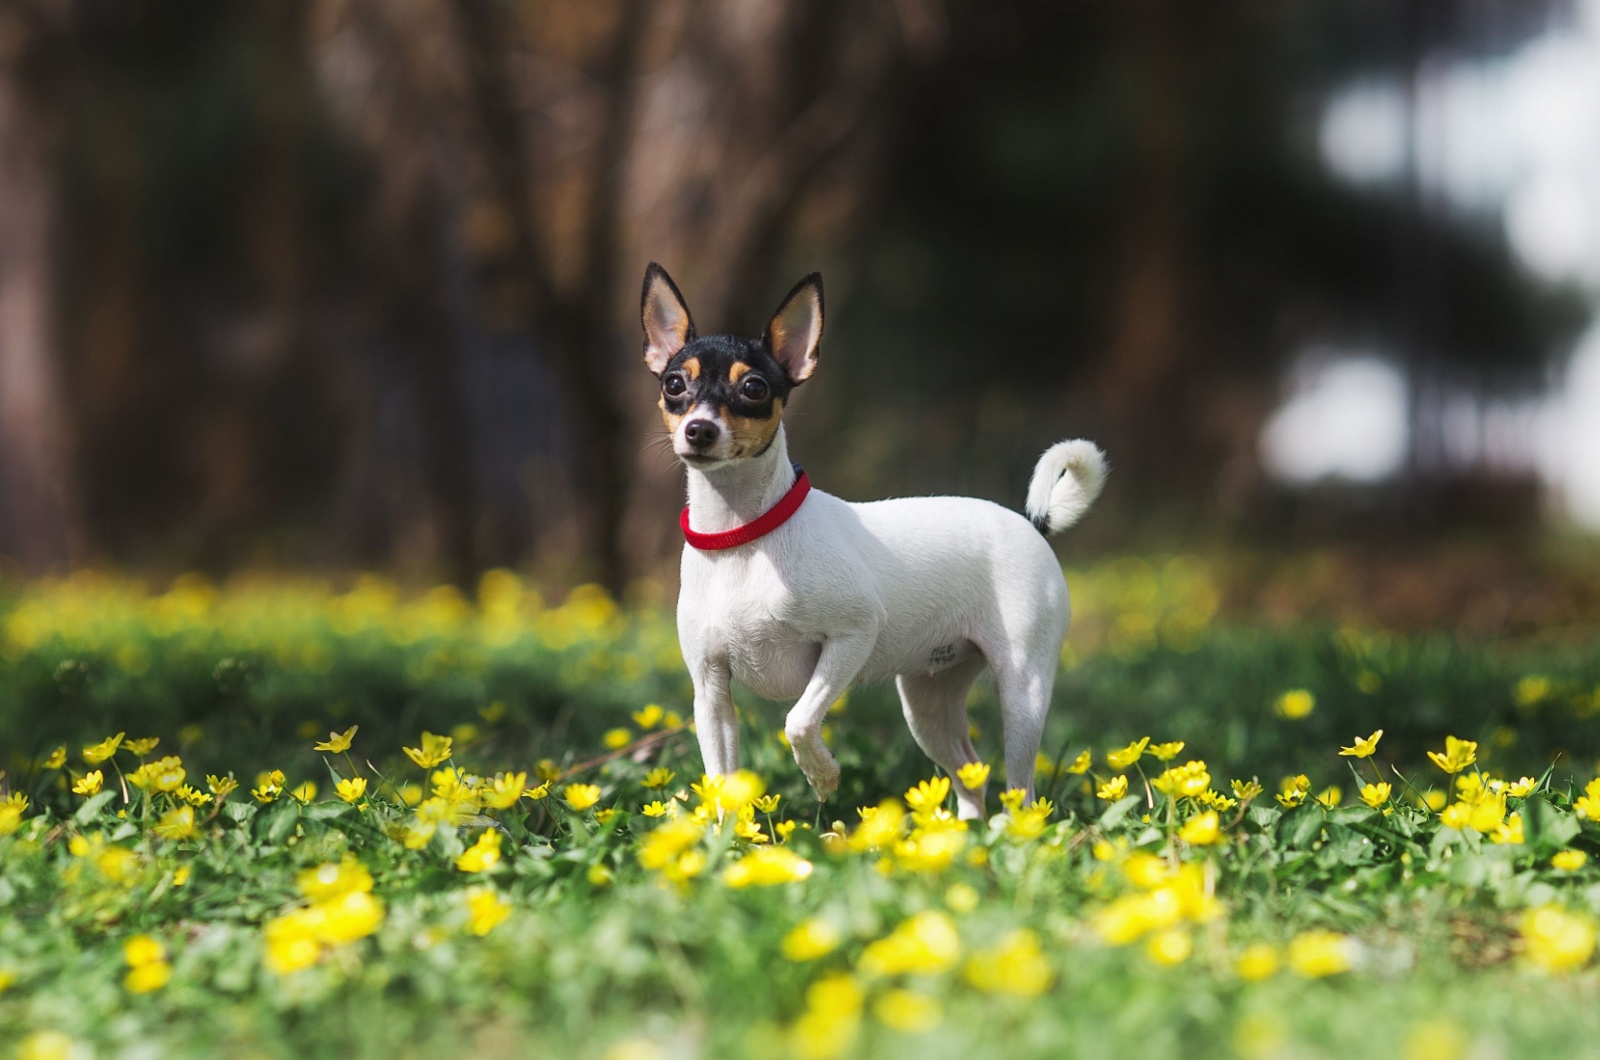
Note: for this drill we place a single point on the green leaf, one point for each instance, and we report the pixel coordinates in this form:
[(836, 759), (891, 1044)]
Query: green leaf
[(1545, 828), (1300, 827), (92, 806), (1117, 811), (279, 822)]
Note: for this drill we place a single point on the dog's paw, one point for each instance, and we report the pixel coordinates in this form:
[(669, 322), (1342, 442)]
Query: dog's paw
[(824, 777)]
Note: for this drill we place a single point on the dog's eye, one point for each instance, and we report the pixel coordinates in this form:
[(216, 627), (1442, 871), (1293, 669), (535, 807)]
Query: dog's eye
[(754, 389), (673, 385)]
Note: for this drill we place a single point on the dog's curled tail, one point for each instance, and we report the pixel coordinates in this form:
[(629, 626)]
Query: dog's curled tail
[(1065, 483)]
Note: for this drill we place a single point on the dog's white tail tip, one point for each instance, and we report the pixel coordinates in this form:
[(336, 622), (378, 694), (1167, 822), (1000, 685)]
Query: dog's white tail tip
[(1066, 481)]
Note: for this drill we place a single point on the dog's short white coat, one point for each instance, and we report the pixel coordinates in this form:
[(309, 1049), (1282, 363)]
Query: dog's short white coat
[(930, 590)]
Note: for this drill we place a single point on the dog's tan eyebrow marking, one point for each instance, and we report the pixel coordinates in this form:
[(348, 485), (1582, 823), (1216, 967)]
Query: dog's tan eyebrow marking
[(691, 367), (737, 371)]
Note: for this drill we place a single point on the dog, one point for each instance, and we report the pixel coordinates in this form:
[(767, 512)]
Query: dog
[(797, 594)]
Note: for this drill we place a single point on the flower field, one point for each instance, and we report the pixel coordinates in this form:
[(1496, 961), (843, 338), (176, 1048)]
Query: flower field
[(282, 818)]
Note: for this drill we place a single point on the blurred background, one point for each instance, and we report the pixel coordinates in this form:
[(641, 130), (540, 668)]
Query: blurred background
[(335, 284)]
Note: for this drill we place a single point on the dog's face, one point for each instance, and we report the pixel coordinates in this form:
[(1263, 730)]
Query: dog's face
[(722, 398)]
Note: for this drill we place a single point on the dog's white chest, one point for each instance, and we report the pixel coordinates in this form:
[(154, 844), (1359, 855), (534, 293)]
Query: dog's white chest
[(740, 610)]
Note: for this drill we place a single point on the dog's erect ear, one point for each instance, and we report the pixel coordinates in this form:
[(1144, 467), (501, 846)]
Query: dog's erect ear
[(667, 324), (794, 334)]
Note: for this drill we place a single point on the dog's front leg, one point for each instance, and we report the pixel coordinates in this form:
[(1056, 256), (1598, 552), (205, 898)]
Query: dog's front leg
[(716, 722), (838, 666)]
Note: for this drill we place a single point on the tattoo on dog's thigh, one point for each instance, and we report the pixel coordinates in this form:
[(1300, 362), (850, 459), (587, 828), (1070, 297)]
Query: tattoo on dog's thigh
[(943, 655)]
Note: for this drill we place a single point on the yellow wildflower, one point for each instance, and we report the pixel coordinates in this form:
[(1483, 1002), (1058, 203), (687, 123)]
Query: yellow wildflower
[(907, 1011), (1015, 966), (1244, 791), (765, 867), (1295, 704), (1217, 801), (147, 977), (1588, 804), (1201, 830), (1556, 940), (1189, 779), (810, 939), (180, 876), (1295, 790), (1167, 751), (1128, 755), (616, 739), (1315, 954), (784, 829), (1531, 690), (973, 775), (1522, 788), (831, 1021), (1568, 860), (649, 717), (1012, 798), (1330, 797), (581, 796), (142, 747), (434, 750), (1256, 962), (177, 824), (1028, 823), (57, 758), (338, 742), (306, 791), (330, 880), (962, 898), (351, 789), (503, 792), (1363, 747), (1375, 795), (103, 750), (268, 786), (928, 795), (141, 950), (923, 944), (1080, 765), (1170, 947), (221, 787), (1458, 755), (1508, 831), (1457, 815), (1113, 789), (655, 809), (482, 855), (486, 908), (768, 803), (90, 783), (658, 778)]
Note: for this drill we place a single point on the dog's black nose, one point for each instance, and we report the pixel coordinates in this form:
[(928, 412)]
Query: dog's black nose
[(700, 433)]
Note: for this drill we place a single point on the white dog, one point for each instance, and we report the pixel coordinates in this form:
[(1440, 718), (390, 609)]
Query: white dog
[(795, 593)]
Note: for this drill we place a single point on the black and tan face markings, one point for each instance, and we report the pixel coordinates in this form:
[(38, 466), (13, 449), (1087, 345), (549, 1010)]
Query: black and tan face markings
[(736, 381)]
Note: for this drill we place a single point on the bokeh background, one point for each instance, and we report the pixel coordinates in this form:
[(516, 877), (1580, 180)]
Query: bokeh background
[(352, 284)]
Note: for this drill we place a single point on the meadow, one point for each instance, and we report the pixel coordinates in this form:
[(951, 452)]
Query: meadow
[(282, 817)]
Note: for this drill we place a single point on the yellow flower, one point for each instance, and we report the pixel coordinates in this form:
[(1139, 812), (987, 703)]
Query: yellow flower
[(1568, 860), (1459, 754), (103, 750), (1363, 747), (655, 809), (831, 1021), (1128, 755), (177, 824), (1028, 823), (1588, 804), (1295, 790), (658, 778), (598, 875), (482, 855), (542, 791), (1113, 789), (1556, 940), (1016, 966), (306, 791), (784, 829), (604, 816), (1531, 690), (353, 915), (221, 787), (147, 978), (962, 898), (1295, 704), (141, 950), (1508, 831), (351, 789), (434, 750), (1245, 791), (330, 880), (1167, 751), (503, 792), (810, 939), (616, 739), (90, 784), (928, 795), (193, 796), (973, 775), (1217, 801), (908, 1012), (1202, 830), (56, 758), (649, 717), (486, 908), (1256, 962), (1457, 815), (1189, 779), (1315, 954), (1331, 796), (581, 796), (337, 742), (768, 803), (180, 876), (1375, 795), (268, 786), (1080, 765), (1522, 788), (1011, 799), (924, 944), (1170, 947), (765, 867), (142, 747)]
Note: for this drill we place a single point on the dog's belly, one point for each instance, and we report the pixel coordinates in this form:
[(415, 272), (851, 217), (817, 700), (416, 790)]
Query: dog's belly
[(774, 668)]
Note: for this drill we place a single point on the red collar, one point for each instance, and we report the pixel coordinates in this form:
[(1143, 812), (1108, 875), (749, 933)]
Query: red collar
[(760, 527)]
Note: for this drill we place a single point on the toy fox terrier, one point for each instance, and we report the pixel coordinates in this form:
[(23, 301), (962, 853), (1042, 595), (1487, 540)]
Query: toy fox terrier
[(796, 593)]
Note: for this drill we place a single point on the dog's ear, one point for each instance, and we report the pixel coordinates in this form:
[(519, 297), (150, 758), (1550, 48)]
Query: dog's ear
[(667, 324), (794, 334)]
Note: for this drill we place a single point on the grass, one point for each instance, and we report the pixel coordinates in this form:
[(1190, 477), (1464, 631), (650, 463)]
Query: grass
[(142, 921)]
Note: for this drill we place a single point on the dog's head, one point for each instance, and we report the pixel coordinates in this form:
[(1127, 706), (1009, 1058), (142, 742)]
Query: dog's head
[(722, 397)]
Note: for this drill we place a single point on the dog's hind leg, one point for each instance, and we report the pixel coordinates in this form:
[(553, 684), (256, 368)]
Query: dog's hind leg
[(1025, 686), (936, 709)]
